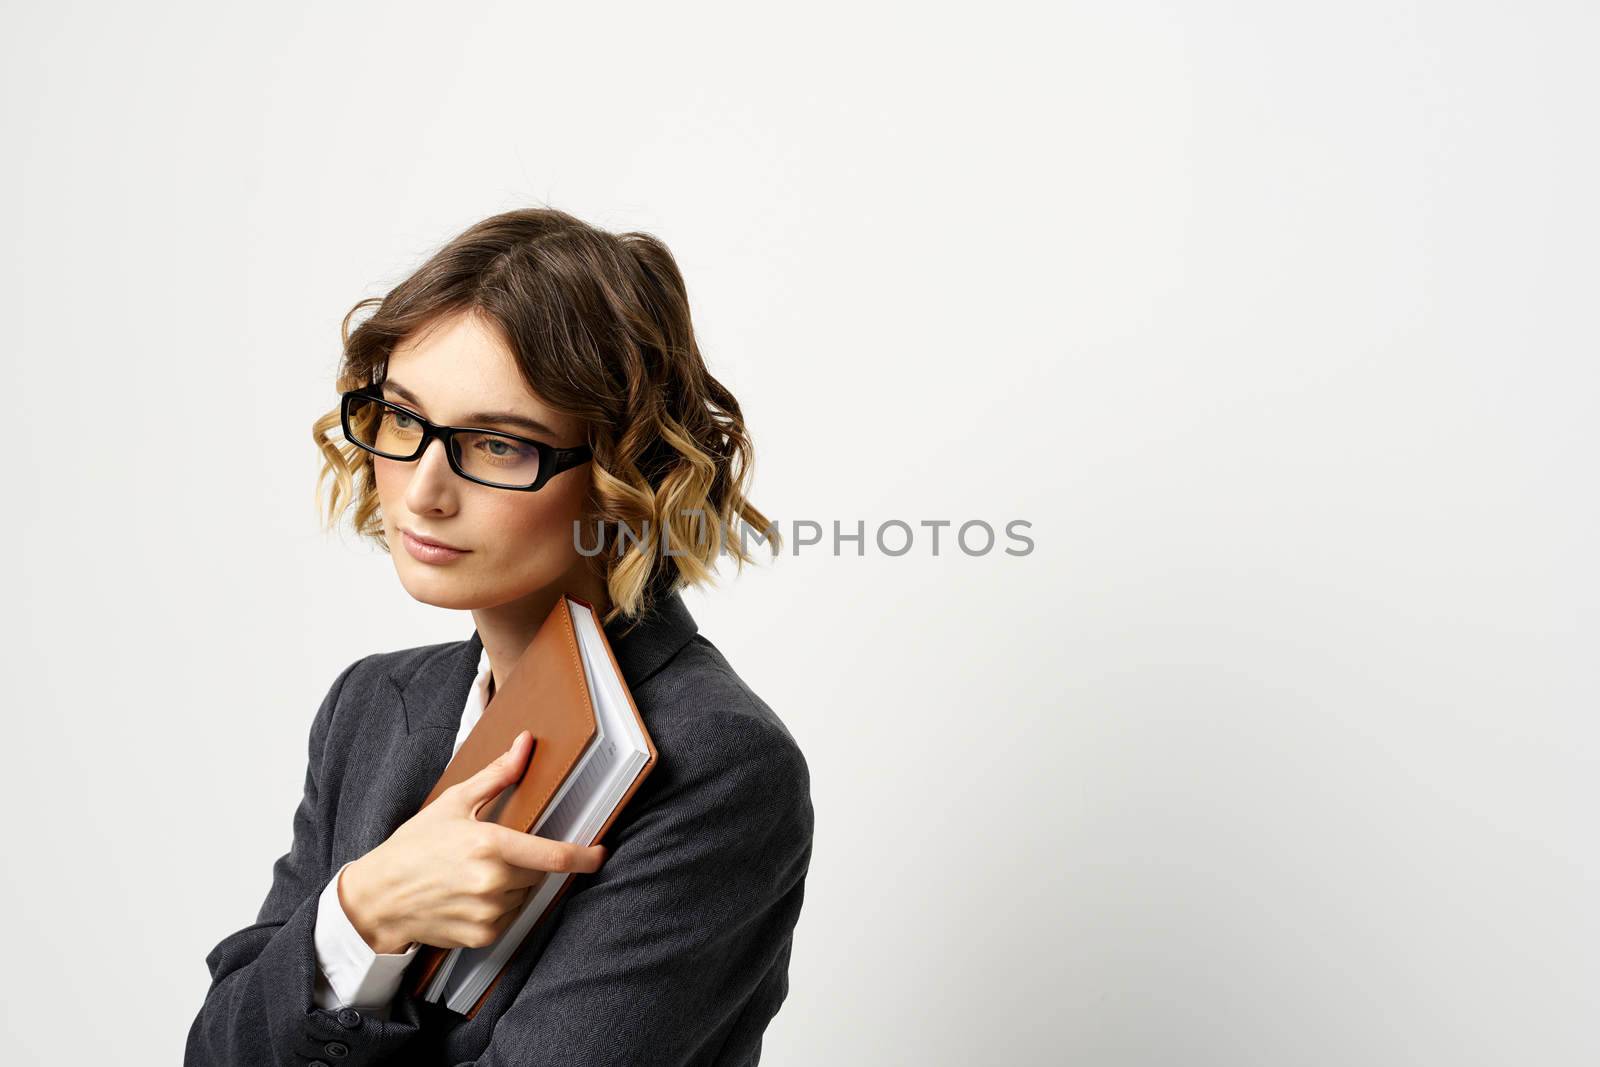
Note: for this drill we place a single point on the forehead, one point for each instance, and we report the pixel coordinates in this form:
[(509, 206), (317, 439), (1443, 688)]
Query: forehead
[(459, 364)]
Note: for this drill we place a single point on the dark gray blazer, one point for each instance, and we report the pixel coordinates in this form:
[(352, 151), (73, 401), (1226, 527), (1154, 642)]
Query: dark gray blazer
[(675, 952)]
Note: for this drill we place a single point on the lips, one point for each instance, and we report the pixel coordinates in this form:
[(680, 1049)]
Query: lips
[(432, 540)]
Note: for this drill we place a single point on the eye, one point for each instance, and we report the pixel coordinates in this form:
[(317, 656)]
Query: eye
[(500, 448)]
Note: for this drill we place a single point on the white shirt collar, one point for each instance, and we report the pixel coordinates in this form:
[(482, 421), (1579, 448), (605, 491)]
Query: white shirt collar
[(477, 698)]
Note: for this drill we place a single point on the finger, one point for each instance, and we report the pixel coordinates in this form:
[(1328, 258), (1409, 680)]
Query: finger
[(512, 899), (507, 917), (472, 793), (522, 879), (547, 854)]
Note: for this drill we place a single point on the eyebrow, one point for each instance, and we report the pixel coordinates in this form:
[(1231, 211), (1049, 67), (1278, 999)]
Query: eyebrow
[(509, 418)]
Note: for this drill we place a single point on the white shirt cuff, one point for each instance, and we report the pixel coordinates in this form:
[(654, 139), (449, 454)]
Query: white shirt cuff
[(353, 976)]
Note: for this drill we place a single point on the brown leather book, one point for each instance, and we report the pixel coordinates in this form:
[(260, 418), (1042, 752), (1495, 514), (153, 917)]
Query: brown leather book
[(588, 744)]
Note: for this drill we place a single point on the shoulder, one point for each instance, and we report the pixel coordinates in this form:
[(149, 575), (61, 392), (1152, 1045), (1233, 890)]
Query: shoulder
[(698, 702), (710, 728)]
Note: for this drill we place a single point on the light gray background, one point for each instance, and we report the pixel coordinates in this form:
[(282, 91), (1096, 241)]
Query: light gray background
[(1275, 321)]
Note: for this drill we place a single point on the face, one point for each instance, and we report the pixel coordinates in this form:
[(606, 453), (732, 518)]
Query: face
[(517, 544)]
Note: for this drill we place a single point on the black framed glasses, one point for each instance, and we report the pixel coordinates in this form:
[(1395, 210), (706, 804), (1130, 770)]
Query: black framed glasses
[(488, 457)]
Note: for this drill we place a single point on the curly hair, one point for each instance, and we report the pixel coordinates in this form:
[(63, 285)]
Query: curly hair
[(599, 325)]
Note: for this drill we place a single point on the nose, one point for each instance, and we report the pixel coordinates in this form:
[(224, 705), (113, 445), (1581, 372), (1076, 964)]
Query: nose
[(432, 482)]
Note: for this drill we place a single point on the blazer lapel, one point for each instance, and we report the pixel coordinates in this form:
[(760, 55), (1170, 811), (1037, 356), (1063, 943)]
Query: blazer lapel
[(397, 768), (435, 693), (432, 699)]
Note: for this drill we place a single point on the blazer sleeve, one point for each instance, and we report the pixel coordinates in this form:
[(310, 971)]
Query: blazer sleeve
[(260, 1007), (679, 945)]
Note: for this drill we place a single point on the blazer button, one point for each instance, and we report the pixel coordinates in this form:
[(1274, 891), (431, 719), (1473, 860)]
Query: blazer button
[(349, 1018), (336, 1049)]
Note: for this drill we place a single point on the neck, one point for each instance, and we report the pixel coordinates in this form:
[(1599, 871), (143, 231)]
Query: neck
[(507, 629)]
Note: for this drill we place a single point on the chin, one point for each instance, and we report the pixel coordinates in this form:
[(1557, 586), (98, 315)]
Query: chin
[(435, 587)]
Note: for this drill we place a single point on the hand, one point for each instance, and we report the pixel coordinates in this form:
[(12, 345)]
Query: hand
[(444, 878)]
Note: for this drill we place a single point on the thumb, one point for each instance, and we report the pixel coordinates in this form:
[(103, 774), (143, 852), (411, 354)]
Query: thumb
[(487, 784)]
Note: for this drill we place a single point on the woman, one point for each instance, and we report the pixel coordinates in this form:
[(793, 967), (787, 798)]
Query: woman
[(606, 462)]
